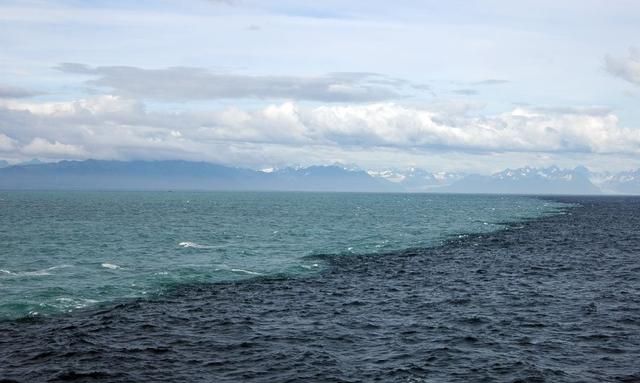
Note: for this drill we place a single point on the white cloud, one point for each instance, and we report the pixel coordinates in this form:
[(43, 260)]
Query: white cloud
[(116, 127), (107, 105), (391, 125), (40, 147), (627, 68), (6, 144)]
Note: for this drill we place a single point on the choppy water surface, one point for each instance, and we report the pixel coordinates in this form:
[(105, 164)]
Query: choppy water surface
[(550, 299), (67, 250)]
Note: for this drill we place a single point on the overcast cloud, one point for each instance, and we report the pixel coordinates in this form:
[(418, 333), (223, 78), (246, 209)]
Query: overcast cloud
[(180, 84), (454, 85), (15, 92)]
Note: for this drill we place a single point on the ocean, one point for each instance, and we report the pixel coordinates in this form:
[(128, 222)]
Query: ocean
[(344, 287)]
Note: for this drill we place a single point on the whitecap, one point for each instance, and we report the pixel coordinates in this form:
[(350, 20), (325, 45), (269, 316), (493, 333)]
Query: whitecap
[(36, 273), (194, 245), (75, 303), (63, 299), (245, 271), (46, 271), (59, 267), (110, 266)]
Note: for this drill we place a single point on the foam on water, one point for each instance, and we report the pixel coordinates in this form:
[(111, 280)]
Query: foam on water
[(194, 245), (36, 273), (245, 272), (67, 303)]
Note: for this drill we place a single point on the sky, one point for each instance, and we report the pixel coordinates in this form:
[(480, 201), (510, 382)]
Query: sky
[(471, 86)]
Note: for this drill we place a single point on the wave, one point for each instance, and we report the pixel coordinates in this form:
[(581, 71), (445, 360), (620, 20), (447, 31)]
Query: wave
[(194, 245), (309, 267), (76, 303), (246, 272), (36, 273)]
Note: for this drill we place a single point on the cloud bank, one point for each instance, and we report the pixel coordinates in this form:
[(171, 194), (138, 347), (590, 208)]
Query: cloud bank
[(7, 91), (188, 83), (118, 127)]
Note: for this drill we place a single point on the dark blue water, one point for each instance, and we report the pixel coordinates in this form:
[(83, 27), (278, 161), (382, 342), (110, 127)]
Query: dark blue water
[(549, 299)]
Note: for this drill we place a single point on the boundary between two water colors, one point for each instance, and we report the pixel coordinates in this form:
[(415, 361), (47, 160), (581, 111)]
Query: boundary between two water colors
[(324, 261)]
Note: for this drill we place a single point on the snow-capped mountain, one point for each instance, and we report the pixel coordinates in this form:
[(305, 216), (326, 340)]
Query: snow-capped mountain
[(417, 180), (528, 180), (550, 173), (184, 175), (627, 182), (330, 178)]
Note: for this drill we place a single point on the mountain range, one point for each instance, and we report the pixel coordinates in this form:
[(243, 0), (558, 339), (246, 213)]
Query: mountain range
[(527, 180), (185, 175)]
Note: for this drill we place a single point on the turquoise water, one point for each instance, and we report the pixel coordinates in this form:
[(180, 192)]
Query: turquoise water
[(63, 251)]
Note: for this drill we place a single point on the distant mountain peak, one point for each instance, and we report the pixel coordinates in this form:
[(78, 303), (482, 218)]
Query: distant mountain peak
[(529, 180), (414, 179)]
